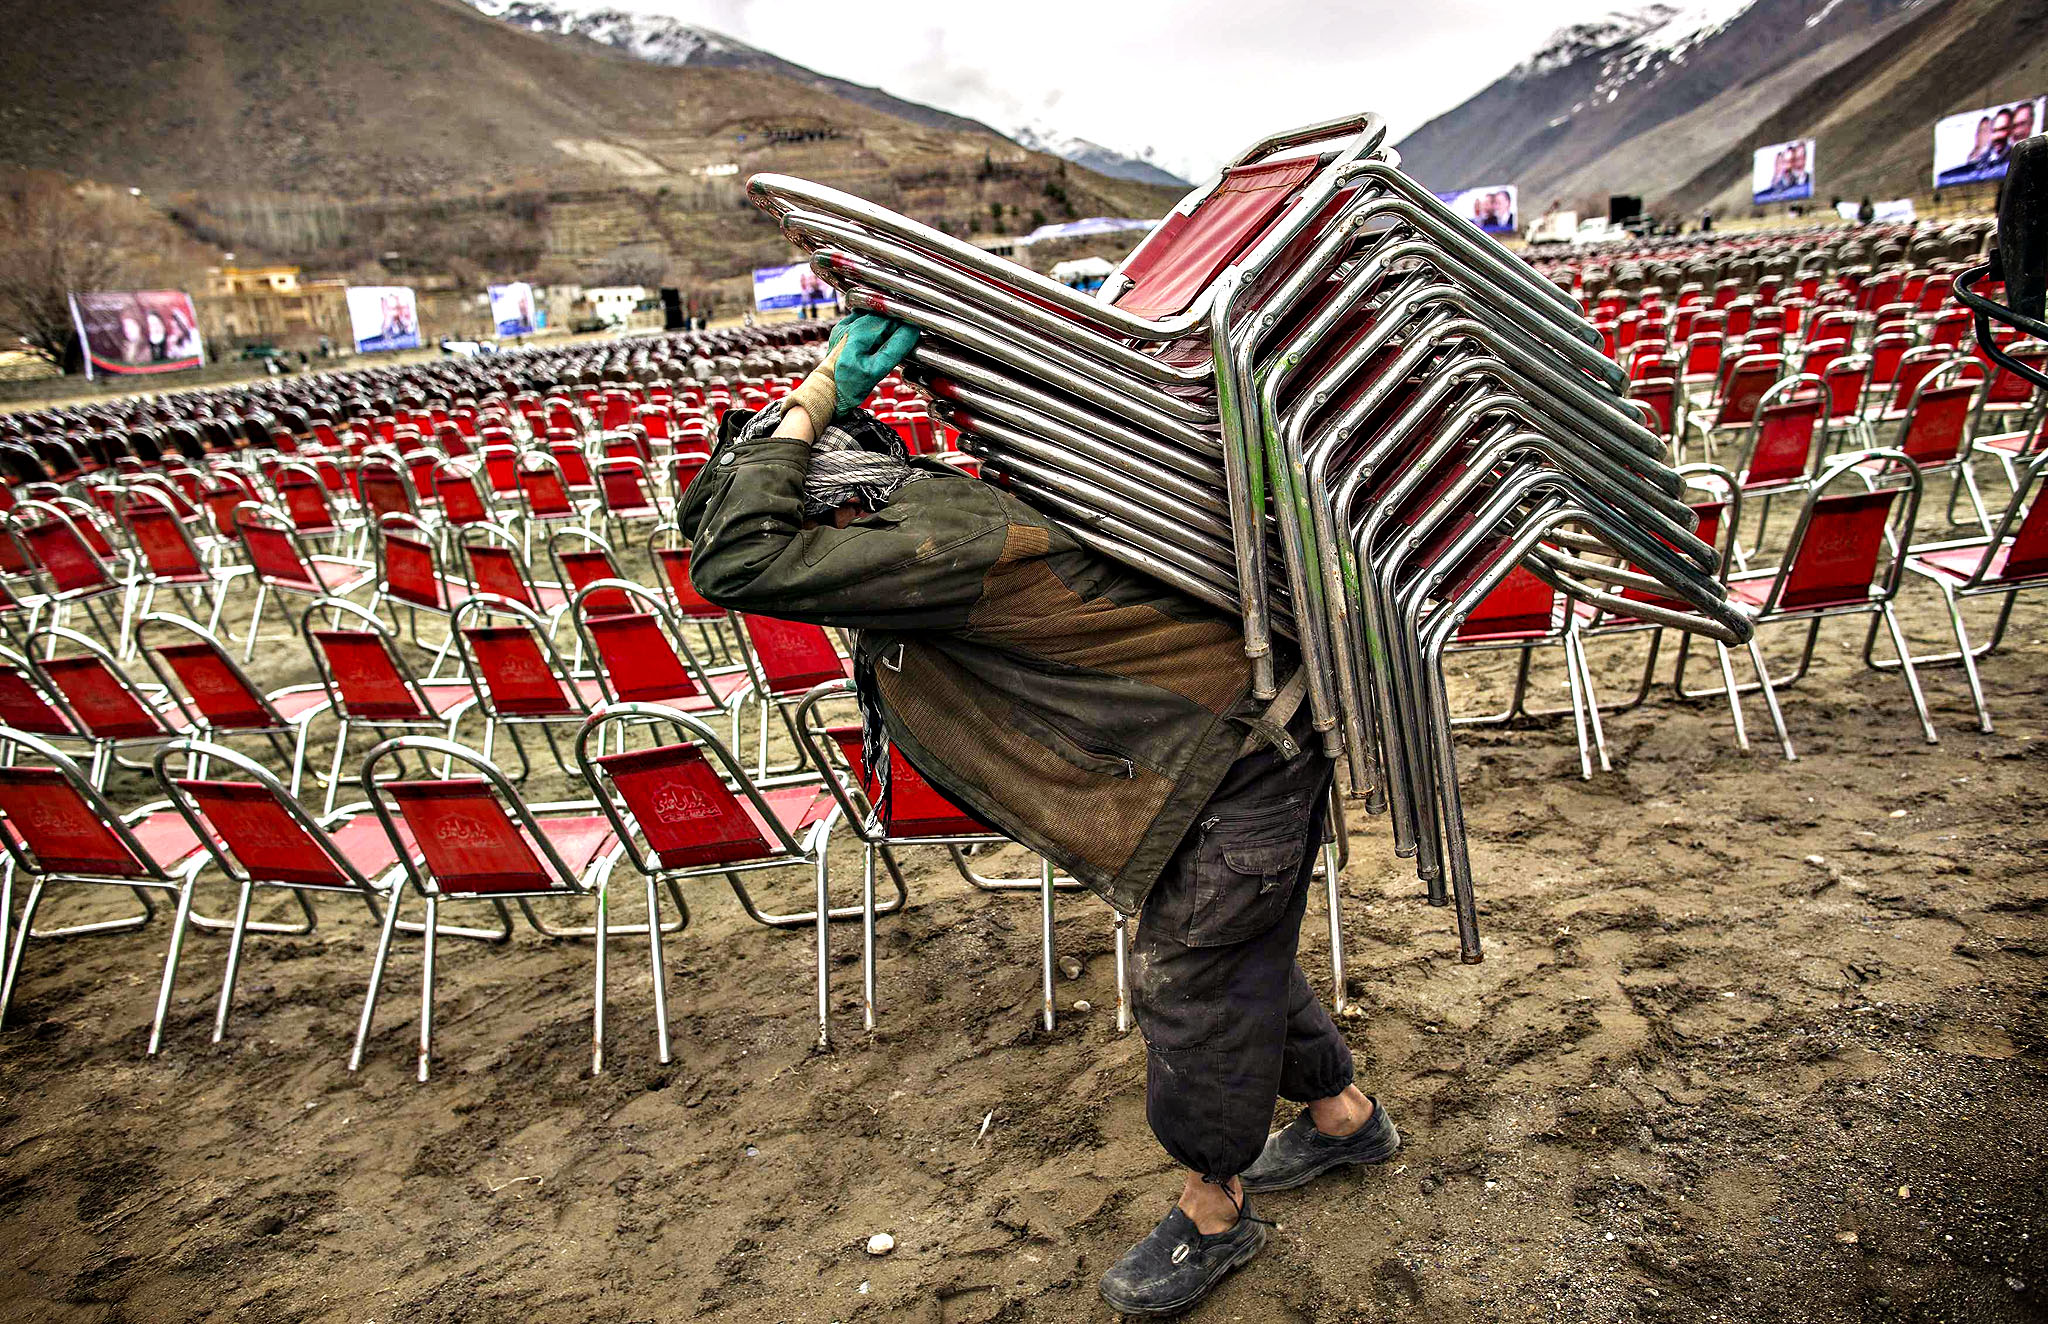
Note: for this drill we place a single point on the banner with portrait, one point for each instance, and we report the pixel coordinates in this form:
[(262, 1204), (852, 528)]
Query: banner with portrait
[(790, 287), (1494, 208), (1973, 147), (137, 331), (512, 309), (383, 317), (1782, 172)]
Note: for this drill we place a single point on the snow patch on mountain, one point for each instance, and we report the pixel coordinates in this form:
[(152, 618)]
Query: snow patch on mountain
[(1630, 42), (1141, 165)]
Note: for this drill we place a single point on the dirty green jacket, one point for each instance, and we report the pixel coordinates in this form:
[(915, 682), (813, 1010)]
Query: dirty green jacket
[(1079, 707)]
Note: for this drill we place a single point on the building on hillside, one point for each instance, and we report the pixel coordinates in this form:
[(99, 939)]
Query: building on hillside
[(271, 305), (614, 305)]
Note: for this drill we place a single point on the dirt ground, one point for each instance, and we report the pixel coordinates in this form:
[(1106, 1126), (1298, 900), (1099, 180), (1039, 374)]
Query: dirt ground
[(1753, 1041)]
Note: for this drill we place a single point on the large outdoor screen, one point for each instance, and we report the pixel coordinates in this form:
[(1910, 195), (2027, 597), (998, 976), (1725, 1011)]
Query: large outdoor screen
[(1494, 208), (137, 331), (512, 308), (1782, 172), (383, 317), (1974, 146), (789, 287)]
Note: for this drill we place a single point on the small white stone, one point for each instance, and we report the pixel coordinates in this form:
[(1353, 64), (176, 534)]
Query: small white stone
[(1084, 1005), (881, 1244)]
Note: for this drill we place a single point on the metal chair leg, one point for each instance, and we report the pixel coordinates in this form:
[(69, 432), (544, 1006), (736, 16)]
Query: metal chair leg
[(867, 938), (654, 955), (21, 937), (1123, 972), (427, 990), (1339, 1003), (823, 917), (1734, 699), (234, 965), (1045, 944), (355, 1059), (176, 949), (1770, 693), (597, 1016), (1912, 677)]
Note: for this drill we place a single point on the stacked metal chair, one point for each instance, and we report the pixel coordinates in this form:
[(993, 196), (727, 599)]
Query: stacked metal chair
[(1318, 399)]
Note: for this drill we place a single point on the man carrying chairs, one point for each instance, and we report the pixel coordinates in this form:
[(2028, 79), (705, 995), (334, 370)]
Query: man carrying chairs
[(1100, 719)]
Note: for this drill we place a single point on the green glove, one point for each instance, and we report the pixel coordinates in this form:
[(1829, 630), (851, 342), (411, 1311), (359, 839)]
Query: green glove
[(870, 346)]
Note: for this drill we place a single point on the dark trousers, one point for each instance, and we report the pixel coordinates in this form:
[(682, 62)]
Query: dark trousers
[(1230, 1022)]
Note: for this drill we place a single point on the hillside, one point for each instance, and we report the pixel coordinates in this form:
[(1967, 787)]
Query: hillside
[(1669, 103), (421, 137)]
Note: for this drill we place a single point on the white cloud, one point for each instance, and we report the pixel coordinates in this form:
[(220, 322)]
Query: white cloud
[(1195, 80)]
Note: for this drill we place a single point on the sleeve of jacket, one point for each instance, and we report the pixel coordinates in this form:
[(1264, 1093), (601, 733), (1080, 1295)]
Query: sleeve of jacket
[(920, 562)]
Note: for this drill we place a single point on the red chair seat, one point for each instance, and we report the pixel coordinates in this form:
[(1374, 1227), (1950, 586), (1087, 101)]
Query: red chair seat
[(795, 807), (167, 838), (1751, 594), (363, 842), (445, 694), (578, 838), (1959, 563), (292, 705)]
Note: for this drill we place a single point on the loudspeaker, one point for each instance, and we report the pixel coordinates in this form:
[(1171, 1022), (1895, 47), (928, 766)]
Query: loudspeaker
[(672, 309), (1623, 208), (2023, 228)]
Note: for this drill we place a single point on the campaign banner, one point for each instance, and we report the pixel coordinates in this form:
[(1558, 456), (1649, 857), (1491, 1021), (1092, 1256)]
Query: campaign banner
[(789, 287), (137, 331), (1974, 146), (1782, 172), (512, 309), (1494, 208), (382, 317)]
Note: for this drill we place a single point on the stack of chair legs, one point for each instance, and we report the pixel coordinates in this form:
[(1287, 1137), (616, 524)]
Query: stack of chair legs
[(1315, 398)]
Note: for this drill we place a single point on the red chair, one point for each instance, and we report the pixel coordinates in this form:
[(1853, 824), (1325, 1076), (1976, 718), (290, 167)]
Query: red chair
[(1844, 559), (62, 832), (917, 814), (258, 836), (786, 660), (640, 653), (625, 495), (173, 560), (2012, 560), (282, 565), (409, 574), (478, 840), (1522, 614), (689, 810), (499, 568), (517, 676), (75, 570), (464, 502), (1733, 404), (1934, 431), (105, 707), (1784, 450), (219, 699), (369, 683)]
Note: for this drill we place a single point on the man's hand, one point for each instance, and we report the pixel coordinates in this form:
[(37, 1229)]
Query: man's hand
[(864, 349)]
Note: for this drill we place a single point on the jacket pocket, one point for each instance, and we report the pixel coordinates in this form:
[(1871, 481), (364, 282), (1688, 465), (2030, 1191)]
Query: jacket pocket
[(1245, 869), (1102, 763)]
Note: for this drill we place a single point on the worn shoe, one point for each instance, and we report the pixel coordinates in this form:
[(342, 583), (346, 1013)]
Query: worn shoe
[(1297, 1153), (1176, 1265)]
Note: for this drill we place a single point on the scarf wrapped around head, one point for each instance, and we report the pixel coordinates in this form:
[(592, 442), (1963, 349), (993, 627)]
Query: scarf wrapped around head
[(857, 460)]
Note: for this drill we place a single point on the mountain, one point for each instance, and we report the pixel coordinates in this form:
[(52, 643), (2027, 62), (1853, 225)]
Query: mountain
[(1669, 102), (1103, 160), (423, 137), (659, 39), (667, 41)]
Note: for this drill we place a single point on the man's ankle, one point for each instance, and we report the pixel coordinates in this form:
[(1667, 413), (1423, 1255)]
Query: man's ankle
[(1214, 1207), (1342, 1114)]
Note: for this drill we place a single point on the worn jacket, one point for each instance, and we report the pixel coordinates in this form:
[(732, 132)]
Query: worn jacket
[(1080, 707)]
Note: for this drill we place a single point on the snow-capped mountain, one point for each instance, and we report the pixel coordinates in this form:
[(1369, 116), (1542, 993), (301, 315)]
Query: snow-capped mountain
[(659, 39), (1141, 165), (1666, 101)]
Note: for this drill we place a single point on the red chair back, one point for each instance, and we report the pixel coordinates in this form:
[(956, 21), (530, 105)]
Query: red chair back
[(1935, 431), (495, 569), (1784, 442), (60, 549), (216, 688), (367, 678), (23, 706), (514, 669), (103, 702), (585, 567), (688, 815), (62, 828), (640, 664), (794, 656), (916, 807), (471, 845), (271, 845), (675, 571), (162, 539), (1837, 558), (1520, 604)]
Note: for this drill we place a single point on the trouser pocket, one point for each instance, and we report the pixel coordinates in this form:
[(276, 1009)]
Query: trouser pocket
[(1244, 868)]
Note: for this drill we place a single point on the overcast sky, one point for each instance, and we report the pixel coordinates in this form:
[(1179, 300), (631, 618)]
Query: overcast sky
[(1196, 80)]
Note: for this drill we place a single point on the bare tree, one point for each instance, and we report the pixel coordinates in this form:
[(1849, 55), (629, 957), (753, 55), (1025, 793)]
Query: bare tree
[(53, 241)]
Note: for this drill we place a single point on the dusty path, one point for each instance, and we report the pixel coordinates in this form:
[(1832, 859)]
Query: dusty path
[(1753, 1041)]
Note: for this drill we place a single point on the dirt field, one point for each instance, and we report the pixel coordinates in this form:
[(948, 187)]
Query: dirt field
[(1753, 1041)]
